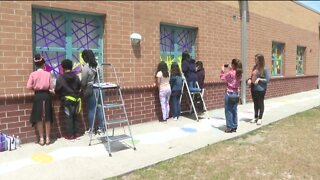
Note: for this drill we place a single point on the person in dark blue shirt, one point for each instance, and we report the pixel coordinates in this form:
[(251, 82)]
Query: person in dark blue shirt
[(176, 83)]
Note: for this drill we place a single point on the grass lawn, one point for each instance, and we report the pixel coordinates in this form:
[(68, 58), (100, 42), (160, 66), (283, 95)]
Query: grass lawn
[(287, 149)]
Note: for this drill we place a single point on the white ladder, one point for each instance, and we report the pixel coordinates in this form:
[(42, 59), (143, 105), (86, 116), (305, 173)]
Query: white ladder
[(117, 103), (185, 91)]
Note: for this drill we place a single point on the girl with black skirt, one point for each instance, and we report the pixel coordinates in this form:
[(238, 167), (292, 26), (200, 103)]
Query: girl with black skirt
[(40, 82)]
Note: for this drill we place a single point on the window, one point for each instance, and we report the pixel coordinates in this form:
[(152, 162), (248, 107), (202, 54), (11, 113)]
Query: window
[(300, 60), (58, 35), (173, 41), (277, 59)]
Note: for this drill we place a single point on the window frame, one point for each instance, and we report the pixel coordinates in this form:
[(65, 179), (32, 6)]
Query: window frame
[(69, 49), (303, 60), (273, 61), (176, 53)]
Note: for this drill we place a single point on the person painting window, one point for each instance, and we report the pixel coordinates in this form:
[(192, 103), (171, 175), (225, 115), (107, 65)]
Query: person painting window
[(189, 71), (88, 78), (162, 81), (41, 83)]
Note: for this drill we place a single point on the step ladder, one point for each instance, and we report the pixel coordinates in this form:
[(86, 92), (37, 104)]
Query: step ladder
[(116, 104), (191, 96)]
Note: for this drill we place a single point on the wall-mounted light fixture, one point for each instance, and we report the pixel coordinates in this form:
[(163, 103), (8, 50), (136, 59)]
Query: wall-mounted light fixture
[(135, 38)]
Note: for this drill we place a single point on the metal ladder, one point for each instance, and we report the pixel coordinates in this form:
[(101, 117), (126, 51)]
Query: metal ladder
[(191, 96), (117, 103)]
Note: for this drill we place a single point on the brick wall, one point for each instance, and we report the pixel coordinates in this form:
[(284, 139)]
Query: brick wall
[(218, 40)]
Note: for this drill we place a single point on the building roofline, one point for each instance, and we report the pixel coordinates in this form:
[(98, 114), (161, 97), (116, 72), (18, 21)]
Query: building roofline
[(311, 9)]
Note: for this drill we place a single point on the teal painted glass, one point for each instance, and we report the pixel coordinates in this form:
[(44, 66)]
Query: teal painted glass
[(173, 41), (277, 58), (300, 60), (62, 34)]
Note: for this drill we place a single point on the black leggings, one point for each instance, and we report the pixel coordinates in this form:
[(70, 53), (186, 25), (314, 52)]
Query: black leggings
[(258, 101)]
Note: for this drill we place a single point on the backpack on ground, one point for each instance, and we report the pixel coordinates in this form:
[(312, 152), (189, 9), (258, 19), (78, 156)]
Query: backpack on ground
[(7, 143)]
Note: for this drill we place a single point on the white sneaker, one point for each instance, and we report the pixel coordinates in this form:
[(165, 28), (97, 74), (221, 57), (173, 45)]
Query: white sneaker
[(88, 131), (259, 122), (175, 119), (254, 120)]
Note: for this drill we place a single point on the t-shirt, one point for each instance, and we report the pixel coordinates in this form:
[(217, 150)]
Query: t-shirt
[(164, 81), (40, 80)]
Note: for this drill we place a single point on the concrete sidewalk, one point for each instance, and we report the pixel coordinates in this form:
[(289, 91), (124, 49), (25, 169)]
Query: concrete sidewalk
[(155, 142)]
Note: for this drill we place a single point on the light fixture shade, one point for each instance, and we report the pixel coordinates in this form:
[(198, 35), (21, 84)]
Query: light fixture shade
[(135, 38)]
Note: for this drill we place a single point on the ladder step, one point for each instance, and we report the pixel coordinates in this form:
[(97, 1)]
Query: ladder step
[(119, 137), (195, 92), (116, 121), (112, 105)]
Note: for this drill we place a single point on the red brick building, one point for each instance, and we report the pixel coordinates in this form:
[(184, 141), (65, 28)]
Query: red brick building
[(285, 32)]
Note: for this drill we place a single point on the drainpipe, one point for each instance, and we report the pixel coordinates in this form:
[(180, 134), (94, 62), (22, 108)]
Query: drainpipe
[(244, 49), (318, 56)]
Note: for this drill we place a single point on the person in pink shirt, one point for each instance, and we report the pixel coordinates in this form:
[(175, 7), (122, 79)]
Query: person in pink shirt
[(40, 82), (232, 75)]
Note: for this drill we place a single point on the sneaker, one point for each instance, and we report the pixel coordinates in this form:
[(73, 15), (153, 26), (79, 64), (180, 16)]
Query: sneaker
[(259, 122), (175, 119), (100, 131), (228, 130), (254, 120), (89, 131)]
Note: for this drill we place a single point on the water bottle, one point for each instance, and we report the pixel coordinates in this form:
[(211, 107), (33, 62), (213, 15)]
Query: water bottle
[(18, 142)]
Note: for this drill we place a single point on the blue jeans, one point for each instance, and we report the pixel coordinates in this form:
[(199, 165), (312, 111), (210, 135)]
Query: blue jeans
[(231, 111), (91, 103), (193, 86), (176, 106)]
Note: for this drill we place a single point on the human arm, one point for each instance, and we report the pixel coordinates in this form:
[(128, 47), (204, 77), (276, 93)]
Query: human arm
[(225, 75), (100, 71), (158, 78), (84, 77), (58, 88), (51, 88), (30, 82), (265, 79)]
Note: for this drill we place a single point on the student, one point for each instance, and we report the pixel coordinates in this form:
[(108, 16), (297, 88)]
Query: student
[(260, 78), (40, 82), (68, 87), (88, 78), (232, 75), (200, 77), (162, 81), (176, 87), (251, 86), (189, 71)]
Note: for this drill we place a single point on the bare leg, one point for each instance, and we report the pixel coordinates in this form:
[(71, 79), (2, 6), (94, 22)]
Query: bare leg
[(40, 130), (48, 128)]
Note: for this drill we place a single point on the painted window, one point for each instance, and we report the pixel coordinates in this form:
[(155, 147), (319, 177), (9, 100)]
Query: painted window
[(58, 35), (300, 60), (175, 40), (277, 58)]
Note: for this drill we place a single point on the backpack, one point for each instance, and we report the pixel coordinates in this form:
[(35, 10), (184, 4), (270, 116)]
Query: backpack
[(7, 143), (2, 142)]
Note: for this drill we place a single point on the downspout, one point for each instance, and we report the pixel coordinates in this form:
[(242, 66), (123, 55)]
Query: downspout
[(318, 86), (244, 49)]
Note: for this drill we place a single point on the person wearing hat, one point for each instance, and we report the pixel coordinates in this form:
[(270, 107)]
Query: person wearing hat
[(41, 83)]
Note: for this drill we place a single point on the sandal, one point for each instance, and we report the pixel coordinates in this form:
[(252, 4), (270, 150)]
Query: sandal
[(47, 141), (41, 141)]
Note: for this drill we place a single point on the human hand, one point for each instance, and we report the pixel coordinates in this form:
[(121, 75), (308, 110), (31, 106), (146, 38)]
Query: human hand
[(51, 91), (257, 81), (249, 81)]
